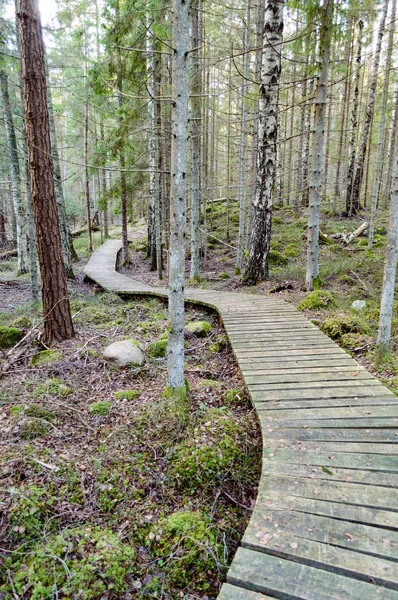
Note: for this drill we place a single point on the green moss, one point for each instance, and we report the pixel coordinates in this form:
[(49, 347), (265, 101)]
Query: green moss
[(102, 409), (92, 352), (158, 349), (355, 341), (186, 542), (223, 275), (127, 394), (170, 416), (53, 387), (84, 563), (338, 325), (31, 507), (22, 322), (217, 452), (233, 397), (16, 410), (9, 336), (199, 328), (318, 299), (38, 412), (46, 357), (277, 258), (30, 429), (277, 220), (291, 251)]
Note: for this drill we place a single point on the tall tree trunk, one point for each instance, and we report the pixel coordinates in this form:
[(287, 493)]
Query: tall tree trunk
[(359, 171), (195, 137), (179, 151), (300, 160), (305, 198), (243, 144), (57, 316), (15, 176), (354, 123), (390, 266), (325, 39), (344, 113), (382, 126), (257, 266), (290, 159)]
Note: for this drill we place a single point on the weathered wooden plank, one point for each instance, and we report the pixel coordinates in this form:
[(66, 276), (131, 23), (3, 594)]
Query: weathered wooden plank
[(389, 480), (305, 364), (231, 592), (333, 392), (375, 436), (254, 377), (344, 460), (262, 385), (373, 423), (331, 447), (290, 580), (370, 496), (321, 412), (362, 401)]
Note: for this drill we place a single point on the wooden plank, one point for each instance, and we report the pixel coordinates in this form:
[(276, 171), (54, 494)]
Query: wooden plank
[(293, 354), (344, 460), (373, 423), (389, 480), (253, 377), (306, 364), (290, 580), (334, 392), (231, 592), (264, 385), (375, 436), (361, 401), (331, 447), (370, 496), (320, 412), (270, 499)]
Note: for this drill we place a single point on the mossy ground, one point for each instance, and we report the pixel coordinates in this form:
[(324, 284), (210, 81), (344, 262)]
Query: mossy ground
[(89, 494)]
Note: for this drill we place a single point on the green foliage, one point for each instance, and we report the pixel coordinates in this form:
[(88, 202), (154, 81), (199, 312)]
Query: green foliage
[(158, 349), (53, 387), (338, 325), (223, 275), (22, 322), (186, 543), (30, 429), (46, 357), (101, 409), (9, 336), (30, 510), (84, 563), (233, 397), (38, 412), (318, 299), (127, 394)]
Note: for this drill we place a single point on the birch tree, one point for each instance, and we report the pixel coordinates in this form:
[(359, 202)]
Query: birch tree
[(195, 135), (179, 150), (57, 316), (325, 38), (257, 266), (390, 267)]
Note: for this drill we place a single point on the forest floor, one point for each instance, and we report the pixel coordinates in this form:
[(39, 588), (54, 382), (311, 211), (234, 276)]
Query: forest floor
[(100, 472), (109, 489)]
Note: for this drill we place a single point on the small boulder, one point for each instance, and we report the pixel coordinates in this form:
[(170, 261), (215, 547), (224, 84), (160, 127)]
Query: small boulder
[(199, 328), (358, 304), (124, 353)]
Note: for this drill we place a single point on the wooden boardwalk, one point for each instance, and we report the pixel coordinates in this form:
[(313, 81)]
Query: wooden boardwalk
[(325, 525)]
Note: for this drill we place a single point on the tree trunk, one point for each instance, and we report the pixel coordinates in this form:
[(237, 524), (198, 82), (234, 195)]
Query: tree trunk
[(195, 137), (57, 316), (382, 126), (300, 160), (243, 144), (390, 266), (359, 171), (257, 266), (179, 151), (15, 176), (305, 198), (318, 144)]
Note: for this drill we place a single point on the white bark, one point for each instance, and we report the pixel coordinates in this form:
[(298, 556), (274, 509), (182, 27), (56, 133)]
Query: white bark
[(390, 266), (382, 126), (196, 115), (318, 145), (179, 151), (243, 143)]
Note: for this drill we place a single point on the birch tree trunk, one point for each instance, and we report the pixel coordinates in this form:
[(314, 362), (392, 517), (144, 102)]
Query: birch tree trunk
[(382, 127), (390, 266), (363, 146), (179, 151), (15, 176), (195, 133), (305, 198), (243, 144), (318, 144), (257, 266), (57, 316)]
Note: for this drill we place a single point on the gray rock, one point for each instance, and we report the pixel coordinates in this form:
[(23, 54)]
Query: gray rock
[(124, 353), (199, 328), (358, 304)]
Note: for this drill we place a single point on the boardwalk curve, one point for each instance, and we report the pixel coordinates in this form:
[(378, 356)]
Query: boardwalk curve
[(325, 525)]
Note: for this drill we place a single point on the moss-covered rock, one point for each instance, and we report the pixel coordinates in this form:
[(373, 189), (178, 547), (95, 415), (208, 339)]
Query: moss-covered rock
[(340, 324), (199, 328), (191, 540), (158, 349), (318, 299), (46, 357), (22, 322), (9, 336), (127, 394)]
